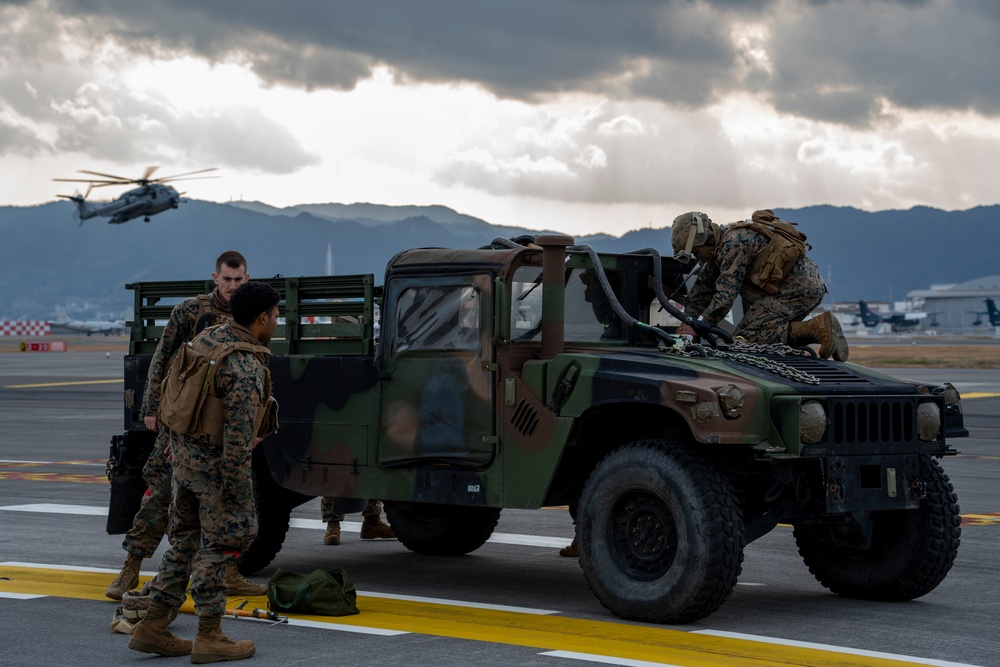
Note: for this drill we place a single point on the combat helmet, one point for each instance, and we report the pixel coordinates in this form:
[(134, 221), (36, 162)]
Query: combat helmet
[(689, 231)]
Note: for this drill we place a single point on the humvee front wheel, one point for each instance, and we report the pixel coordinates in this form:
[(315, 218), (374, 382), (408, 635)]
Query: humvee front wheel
[(660, 533), (441, 530), (910, 552)]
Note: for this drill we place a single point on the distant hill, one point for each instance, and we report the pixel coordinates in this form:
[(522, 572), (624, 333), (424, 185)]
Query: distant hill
[(47, 259)]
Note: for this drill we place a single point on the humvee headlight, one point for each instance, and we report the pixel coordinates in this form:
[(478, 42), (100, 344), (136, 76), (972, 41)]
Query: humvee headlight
[(812, 422), (731, 401), (928, 421)]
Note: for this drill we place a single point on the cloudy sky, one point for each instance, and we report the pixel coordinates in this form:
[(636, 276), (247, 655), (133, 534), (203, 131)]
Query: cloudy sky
[(572, 115)]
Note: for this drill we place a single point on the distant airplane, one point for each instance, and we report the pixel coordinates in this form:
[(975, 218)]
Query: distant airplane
[(106, 327), (896, 320), (991, 311)]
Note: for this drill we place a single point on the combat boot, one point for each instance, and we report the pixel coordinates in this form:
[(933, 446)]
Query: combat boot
[(332, 534), (151, 634), (210, 645), (373, 527), (127, 579), (823, 329), (237, 584), (570, 550)]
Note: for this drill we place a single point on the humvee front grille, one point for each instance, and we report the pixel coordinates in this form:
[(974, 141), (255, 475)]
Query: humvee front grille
[(872, 420)]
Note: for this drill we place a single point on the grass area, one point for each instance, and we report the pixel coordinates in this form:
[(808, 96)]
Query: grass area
[(927, 356)]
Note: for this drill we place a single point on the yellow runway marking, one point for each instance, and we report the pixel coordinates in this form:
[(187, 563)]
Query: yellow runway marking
[(60, 384), (549, 633), (990, 519), (35, 464), (979, 394), (53, 477)]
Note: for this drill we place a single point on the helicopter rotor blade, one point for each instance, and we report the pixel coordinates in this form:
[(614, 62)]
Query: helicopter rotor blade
[(121, 179), (146, 174), (90, 180), (164, 179), (186, 178)]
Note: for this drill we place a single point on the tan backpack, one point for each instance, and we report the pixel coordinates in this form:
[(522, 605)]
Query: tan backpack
[(785, 246), (188, 404)]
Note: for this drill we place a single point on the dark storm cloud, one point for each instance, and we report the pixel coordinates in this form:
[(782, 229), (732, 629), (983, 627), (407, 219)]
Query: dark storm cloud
[(843, 58), (831, 60)]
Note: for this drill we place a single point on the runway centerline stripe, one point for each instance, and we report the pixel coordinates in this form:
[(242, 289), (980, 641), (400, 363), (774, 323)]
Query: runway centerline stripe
[(618, 640)]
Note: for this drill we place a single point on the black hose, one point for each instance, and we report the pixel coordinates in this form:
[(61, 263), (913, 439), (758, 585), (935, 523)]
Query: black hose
[(704, 329)]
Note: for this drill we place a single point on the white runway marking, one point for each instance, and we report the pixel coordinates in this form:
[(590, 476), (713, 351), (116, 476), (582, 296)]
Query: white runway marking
[(312, 524), (832, 648)]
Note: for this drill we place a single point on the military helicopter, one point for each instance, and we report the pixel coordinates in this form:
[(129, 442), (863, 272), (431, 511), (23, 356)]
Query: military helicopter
[(151, 197)]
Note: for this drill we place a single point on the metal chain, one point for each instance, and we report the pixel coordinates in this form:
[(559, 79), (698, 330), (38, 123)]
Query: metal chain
[(747, 353)]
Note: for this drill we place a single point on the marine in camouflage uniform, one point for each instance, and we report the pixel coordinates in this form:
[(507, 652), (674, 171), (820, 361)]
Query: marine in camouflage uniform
[(372, 526), (728, 254), (187, 319), (212, 515)]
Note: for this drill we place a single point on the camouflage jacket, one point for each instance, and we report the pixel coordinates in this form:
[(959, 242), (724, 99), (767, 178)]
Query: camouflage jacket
[(728, 274), (187, 319), (242, 381)]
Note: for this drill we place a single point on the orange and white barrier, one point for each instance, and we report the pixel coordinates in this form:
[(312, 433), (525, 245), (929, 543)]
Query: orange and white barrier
[(54, 346)]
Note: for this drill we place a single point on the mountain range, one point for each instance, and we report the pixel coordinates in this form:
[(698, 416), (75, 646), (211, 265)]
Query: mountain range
[(47, 259)]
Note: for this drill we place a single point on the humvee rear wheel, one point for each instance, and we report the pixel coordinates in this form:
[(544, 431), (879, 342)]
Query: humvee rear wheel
[(910, 553), (441, 530), (660, 533), (274, 509)]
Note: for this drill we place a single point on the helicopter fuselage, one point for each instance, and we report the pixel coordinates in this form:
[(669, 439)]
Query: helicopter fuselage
[(144, 201)]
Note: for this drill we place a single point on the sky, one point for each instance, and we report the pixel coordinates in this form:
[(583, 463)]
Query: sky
[(578, 116)]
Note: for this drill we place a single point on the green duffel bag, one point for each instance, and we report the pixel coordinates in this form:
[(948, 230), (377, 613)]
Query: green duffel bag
[(321, 593)]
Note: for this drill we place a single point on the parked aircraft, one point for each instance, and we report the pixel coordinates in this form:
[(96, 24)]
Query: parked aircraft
[(896, 320), (106, 327), (991, 311)]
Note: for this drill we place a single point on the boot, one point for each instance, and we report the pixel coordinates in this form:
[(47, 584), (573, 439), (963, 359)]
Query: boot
[(823, 329), (127, 579), (210, 645), (332, 534), (237, 584), (151, 634), (373, 527), (570, 550)]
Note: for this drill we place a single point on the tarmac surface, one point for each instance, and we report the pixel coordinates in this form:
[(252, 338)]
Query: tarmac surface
[(514, 601)]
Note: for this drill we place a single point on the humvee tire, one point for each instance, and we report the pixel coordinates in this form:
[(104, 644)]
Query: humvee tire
[(910, 553), (274, 510), (660, 533), (441, 530)]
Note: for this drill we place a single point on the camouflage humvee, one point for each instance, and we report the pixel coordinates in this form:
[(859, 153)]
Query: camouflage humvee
[(527, 376)]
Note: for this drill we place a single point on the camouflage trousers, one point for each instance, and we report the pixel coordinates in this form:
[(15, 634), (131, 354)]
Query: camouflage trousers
[(206, 531), (150, 522), (767, 319), (373, 508)]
